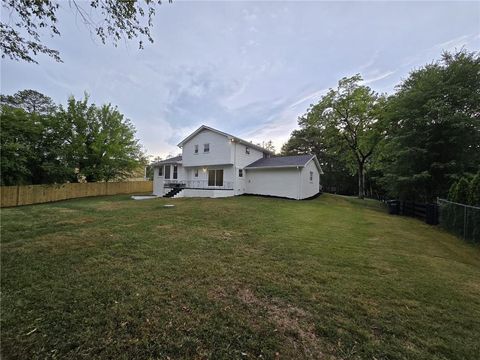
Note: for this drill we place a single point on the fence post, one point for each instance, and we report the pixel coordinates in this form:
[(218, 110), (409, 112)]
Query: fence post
[(464, 223), (431, 214)]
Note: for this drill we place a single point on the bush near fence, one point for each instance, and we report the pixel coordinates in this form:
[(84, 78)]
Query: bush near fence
[(37, 194)]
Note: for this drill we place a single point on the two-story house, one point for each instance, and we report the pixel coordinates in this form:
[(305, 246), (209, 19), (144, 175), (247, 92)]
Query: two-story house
[(217, 164)]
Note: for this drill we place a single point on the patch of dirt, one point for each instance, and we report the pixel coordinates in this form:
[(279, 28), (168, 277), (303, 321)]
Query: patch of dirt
[(216, 293), (291, 321)]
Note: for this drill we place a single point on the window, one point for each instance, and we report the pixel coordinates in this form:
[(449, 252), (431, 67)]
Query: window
[(160, 171), (247, 150), (196, 149), (240, 172), (196, 172), (311, 176), (175, 171), (206, 148), (215, 177), (167, 171)]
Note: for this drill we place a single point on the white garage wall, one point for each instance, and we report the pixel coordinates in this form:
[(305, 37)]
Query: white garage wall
[(309, 188), (274, 182)]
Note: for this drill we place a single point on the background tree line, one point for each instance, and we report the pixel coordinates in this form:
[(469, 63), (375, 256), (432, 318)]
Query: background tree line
[(412, 145), (45, 143)]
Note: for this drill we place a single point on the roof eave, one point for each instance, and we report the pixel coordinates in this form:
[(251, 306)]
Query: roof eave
[(205, 127)]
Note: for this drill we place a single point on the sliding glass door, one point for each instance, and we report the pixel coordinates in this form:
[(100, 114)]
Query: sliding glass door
[(215, 177)]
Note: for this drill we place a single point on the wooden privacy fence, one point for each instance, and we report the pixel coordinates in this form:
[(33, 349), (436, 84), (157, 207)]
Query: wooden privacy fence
[(37, 194)]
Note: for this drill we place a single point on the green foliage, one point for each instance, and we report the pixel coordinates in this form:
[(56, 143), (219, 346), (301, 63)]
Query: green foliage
[(43, 144), (16, 134), (433, 128), (461, 191), (343, 129), (108, 19), (31, 101), (474, 191), (102, 144)]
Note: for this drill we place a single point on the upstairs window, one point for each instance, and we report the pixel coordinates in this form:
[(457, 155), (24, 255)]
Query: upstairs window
[(206, 148), (247, 150), (160, 171), (167, 171), (311, 176), (240, 172), (175, 171), (196, 149), (196, 172)]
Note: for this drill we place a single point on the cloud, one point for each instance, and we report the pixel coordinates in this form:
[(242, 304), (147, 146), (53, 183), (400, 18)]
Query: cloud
[(386, 74), (309, 97)]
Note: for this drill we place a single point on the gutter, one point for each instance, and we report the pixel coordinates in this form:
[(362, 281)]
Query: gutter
[(275, 167)]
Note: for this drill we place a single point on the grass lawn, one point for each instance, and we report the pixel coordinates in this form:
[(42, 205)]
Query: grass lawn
[(241, 277)]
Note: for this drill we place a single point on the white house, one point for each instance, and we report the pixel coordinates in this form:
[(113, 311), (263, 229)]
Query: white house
[(216, 164)]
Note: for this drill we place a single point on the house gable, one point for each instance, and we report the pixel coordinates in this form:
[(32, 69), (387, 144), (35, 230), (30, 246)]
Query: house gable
[(206, 147)]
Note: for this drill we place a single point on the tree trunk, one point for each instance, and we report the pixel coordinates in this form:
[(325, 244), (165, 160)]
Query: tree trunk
[(361, 181)]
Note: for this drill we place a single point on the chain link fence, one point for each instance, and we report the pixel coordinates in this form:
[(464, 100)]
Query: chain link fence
[(460, 219)]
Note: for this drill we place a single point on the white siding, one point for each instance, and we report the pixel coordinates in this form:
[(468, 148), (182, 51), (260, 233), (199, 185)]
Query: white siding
[(309, 188), (158, 188), (282, 182), (206, 193), (158, 181), (220, 150), (243, 159)]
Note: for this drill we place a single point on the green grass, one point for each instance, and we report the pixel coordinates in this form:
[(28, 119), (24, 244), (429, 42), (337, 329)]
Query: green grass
[(242, 277)]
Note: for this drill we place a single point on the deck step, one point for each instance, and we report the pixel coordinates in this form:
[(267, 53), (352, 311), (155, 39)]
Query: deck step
[(173, 192)]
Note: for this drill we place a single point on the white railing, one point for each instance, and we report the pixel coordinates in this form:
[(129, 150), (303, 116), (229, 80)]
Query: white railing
[(197, 184)]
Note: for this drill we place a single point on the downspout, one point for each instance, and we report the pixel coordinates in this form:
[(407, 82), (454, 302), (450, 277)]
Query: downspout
[(234, 167), (299, 182)]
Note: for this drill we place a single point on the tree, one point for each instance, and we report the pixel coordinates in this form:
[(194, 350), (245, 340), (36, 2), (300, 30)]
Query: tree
[(101, 143), (268, 145), (32, 140), (474, 191), (433, 128), (348, 117), (16, 134), (31, 101), (20, 38)]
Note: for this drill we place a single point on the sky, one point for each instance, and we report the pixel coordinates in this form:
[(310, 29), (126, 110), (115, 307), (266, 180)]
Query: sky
[(246, 68)]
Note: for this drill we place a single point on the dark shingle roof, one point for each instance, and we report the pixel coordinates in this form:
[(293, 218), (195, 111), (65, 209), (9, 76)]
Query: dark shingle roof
[(281, 161), (172, 160)]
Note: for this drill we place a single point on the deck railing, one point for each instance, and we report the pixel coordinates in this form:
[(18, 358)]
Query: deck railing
[(197, 184)]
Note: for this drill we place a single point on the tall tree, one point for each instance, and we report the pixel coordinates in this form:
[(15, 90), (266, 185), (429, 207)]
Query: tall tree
[(16, 135), (32, 146), (101, 143), (21, 38), (349, 119), (434, 128), (267, 145), (31, 101)]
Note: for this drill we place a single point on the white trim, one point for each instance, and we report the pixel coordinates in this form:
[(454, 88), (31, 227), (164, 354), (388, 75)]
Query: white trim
[(314, 157)]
